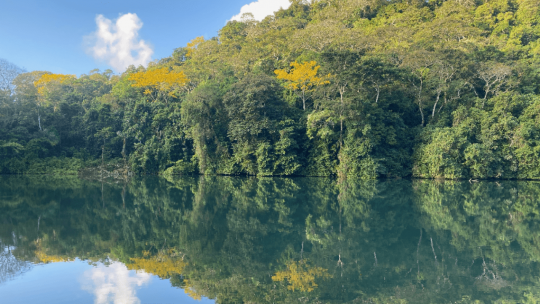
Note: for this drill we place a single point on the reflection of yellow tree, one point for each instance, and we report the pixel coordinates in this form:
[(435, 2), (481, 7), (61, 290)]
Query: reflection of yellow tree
[(188, 288), (43, 257), (301, 276), (163, 265)]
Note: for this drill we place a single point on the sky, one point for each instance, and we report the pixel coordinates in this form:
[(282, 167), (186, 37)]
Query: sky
[(83, 283), (75, 37)]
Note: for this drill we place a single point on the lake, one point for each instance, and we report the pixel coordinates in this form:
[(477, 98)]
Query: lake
[(215, 239)]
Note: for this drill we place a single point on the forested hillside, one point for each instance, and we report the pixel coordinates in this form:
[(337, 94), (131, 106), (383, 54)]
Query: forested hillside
[(349, 88)]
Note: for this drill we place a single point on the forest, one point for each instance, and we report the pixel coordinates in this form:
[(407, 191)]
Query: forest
[(346, 88)]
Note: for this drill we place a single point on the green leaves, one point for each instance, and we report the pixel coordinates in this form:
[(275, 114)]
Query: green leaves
[(426, 89), (499, 141)]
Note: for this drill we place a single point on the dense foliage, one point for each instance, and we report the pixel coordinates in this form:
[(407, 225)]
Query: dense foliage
[(288, 240), (351, 88)]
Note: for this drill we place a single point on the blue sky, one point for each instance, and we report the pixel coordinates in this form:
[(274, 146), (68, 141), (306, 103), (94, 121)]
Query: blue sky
[(50, 35)]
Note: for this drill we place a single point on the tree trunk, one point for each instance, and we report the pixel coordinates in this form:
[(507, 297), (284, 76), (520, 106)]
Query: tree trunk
[(420, 101), (304, 99), (341, 92), (435, 106), (102, 159), (39, 120), (486, 95)]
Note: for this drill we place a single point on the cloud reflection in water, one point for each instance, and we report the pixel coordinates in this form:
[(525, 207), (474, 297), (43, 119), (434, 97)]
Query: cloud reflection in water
[(114, 283)]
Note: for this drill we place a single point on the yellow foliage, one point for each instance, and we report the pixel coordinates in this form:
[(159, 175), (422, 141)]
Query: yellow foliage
[(159, 80), (302, 76), (50, 79), (48, 87), (301, 276), (192, 45), (188, 288), (163, 266), (43, 257)]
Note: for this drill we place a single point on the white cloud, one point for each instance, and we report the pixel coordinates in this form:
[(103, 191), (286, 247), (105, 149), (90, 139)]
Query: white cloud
[(114, 284), (118, 44), (262, 8)]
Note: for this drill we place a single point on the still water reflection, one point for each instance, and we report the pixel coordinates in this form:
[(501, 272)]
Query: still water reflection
[(114, 283), (269, 240)]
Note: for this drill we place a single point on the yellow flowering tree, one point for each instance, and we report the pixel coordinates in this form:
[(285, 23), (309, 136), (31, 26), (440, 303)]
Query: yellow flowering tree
[(301, 276), (192, 45), (50, 88), (159, 83), (302, 78)]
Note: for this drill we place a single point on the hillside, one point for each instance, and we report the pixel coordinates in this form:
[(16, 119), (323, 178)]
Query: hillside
[(348, 88)]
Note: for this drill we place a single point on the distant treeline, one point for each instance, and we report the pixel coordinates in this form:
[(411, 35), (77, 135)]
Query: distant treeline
[(349, 88)]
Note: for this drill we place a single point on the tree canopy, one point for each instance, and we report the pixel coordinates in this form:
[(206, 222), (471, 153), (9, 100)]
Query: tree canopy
[(367, 89)]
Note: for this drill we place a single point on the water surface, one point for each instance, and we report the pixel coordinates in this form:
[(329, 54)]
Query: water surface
[(268, 240)]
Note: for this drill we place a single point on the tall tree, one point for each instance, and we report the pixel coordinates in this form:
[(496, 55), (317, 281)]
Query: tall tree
[(302, 78)]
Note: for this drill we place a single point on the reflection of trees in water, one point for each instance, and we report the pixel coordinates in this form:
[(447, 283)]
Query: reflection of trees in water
[(10, 266), (300, 275), (420, 241), (490, 277)]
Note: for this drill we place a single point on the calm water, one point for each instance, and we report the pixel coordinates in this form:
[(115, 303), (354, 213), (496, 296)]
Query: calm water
[(268, 240)]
